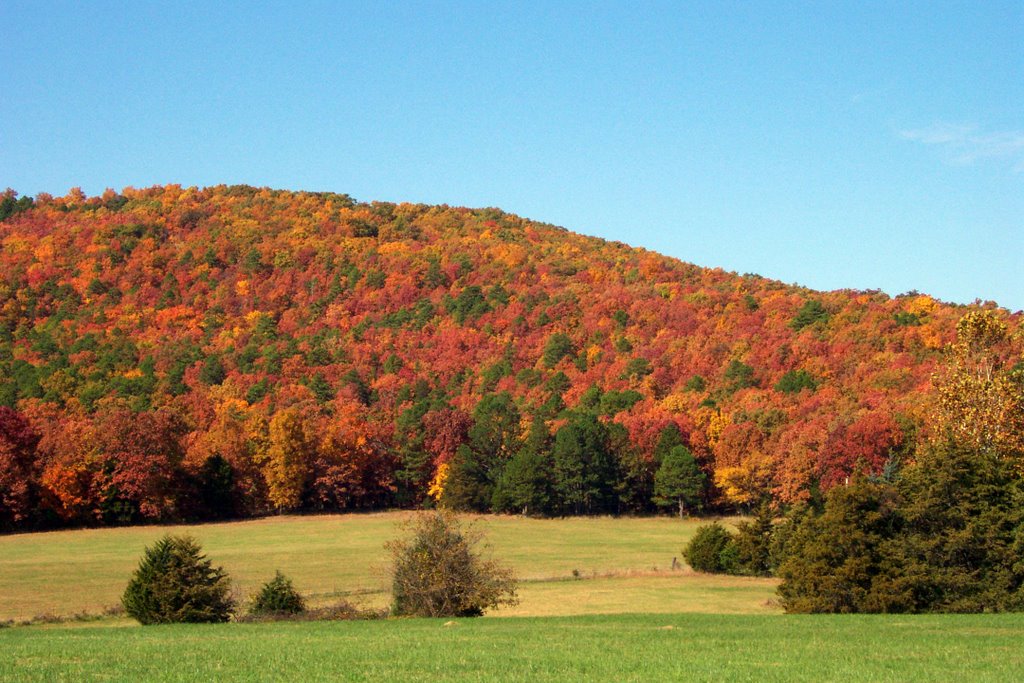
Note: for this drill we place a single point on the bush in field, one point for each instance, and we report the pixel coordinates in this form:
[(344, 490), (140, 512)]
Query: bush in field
[(278, 596), (175, 582), (712, 549), (436, 571)]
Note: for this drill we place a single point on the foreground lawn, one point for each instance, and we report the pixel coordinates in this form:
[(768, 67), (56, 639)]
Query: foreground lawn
[(67, 572), (694, 647)]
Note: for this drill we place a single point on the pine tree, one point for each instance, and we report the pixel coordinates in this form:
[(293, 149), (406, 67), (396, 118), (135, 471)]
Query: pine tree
[(679, 480), (176, 583)]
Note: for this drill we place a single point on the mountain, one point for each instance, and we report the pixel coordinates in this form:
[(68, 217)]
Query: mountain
[(177, 352)]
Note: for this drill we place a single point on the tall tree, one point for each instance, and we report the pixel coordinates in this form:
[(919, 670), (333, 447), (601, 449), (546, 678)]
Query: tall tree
[(833, 558), (585, 468), (493, 439), (981, 388), (963, 513), (679, 480), (525, 482), (18, 468), (288, 459), (140, 469)]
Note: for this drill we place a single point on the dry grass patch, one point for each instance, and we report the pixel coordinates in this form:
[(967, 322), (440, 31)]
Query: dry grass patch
[(329, 556)]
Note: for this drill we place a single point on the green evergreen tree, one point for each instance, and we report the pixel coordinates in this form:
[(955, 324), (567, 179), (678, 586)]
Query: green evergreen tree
[(635, 481), (525, 483), (668, 438), (493, 440), (278, 596), (963, 516), (679, 481), (557, 347), (945, 538), (754, 543), (585, 468), (175, 582), (834, 558)]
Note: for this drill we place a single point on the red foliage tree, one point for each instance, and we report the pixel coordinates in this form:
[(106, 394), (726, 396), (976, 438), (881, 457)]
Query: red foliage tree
[(19, 468)]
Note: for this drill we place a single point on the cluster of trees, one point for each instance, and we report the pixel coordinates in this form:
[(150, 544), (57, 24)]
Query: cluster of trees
[(944, 532), (175, 353), (587, 466), (947, 535), (121, 466)]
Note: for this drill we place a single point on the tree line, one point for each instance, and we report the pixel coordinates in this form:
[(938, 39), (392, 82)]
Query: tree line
[(180, 353)]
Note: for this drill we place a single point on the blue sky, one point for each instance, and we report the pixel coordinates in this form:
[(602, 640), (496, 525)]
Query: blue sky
[(837, 145)]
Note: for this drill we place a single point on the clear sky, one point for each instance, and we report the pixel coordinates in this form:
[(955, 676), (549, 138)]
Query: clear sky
[(869, 145)]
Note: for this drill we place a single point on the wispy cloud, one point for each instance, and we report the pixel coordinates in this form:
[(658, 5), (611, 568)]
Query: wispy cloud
[(965, 144)]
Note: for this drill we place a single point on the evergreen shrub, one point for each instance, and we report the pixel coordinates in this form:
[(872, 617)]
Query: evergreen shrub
[(176, 583)]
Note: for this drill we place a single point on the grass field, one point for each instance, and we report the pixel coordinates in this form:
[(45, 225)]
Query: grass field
[(691, 647), (624, 564), (600, 601)]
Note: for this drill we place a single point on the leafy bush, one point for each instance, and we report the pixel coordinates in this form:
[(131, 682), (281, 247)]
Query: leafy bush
[(436, 571), (176, 583), (712, 549), (278, 596)]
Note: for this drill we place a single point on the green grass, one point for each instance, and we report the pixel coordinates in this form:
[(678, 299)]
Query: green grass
[(692, 647), (67, 572), (634, 618)]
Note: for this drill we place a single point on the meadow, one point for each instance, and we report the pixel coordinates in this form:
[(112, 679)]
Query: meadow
[(581, 565), (600, 600)]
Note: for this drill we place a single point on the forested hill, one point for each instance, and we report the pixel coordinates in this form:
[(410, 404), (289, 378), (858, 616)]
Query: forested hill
[(176, 353)]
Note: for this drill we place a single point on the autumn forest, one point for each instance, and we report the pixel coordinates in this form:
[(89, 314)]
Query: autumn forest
[(174, 353)]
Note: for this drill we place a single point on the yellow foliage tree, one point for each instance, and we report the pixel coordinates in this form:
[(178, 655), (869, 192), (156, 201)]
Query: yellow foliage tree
[(288, 461), (747, 483), (980, 391), (436, 489)]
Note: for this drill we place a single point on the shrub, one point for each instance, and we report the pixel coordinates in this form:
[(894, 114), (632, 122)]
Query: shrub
[(712, 549), (437, 572), (175, 582), (278, 596)]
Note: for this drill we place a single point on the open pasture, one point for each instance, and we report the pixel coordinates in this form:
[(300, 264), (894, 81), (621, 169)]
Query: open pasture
[(623, 564), (599, 601)]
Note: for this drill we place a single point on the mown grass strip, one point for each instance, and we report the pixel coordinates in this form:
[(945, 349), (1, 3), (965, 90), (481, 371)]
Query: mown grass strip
[(693, 647)]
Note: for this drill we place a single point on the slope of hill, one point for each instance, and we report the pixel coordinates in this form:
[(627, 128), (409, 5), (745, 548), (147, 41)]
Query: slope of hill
[(173, 353)]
